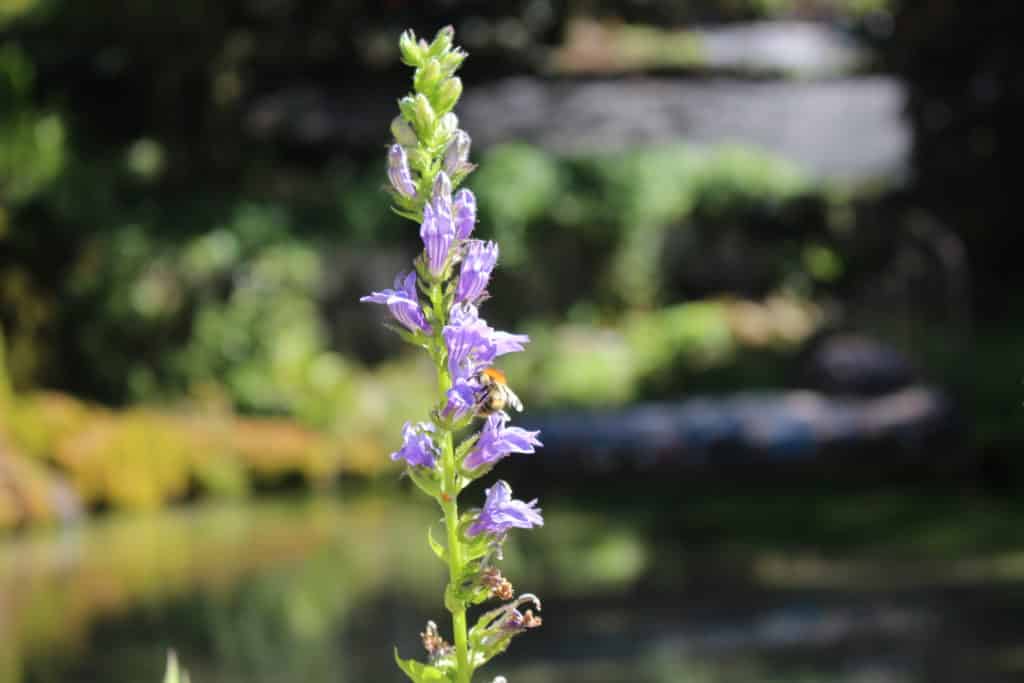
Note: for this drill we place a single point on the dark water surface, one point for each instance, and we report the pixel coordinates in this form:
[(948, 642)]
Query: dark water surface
[(699, 588)]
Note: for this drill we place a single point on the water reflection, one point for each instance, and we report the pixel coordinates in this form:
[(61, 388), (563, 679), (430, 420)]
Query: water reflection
[(320, 589)]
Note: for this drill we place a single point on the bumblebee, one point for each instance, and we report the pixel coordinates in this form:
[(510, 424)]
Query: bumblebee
[(495, 393)]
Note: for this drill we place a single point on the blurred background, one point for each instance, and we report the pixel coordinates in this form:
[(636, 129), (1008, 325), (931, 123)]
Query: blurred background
[(767, 252)]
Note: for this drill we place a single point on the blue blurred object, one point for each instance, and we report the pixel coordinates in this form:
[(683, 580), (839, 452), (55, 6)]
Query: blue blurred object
[(918, 423)]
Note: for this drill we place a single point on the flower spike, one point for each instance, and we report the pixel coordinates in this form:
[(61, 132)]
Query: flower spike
[(436, 307)]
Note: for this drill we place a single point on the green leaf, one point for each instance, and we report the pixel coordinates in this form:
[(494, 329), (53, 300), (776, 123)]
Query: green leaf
[(407, 336), (439, 550), (406, 214), (418, 672), (477, 547), (464, 447), (426, 480)]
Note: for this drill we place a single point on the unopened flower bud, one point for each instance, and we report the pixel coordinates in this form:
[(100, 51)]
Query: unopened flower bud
[(500, 679), (442, 191), (437, 230), (446, 127), (407, 105), (413, 53), (448, 93), (424, 117), (403, 132), (456, 155), (427, 77), (442, 41), (464, 212), (451, 61), (398, 172)]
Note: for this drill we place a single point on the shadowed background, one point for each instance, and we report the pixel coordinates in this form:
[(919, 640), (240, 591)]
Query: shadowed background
[(765, 250)]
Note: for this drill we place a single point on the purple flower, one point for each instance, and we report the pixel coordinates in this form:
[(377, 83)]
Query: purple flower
[(469, 347), (456, 156), (498, 441), (501, 513), (477, 265), (472, 344), (505, 342), (461, 400), (418, 448), (398, 172), (403, 303), (438, 227), (465, 213)]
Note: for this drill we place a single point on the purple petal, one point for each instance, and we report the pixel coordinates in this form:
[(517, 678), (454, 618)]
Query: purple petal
[(505, 342), (398, 172), (501, 513), (519, 440), (498, 441), (402, 303), (465, 213), (418, 448), (461, 400), (475, 273)]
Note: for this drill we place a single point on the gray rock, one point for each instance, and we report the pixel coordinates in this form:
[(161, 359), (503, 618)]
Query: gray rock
[(846, 129), (800, 48), (843, 129)]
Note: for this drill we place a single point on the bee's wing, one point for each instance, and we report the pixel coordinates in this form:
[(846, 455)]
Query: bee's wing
[(513, 400)]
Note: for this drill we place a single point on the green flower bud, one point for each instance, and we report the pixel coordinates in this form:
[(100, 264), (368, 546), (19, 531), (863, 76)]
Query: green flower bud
[(448, 94), (451, 61), (407, 105), (442, 42), (446, 127), (419, 159), (413, 53), (427, 77), (403, 132), (424, 117)]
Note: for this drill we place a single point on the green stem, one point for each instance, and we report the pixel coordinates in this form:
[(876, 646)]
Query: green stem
[(451, 519), (449, 502)]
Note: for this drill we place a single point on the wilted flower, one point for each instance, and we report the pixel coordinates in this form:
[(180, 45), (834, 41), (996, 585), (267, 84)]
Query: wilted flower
[(398, 172), (501, 513), (465, 213), (403, 303), (498, 441), (499, 586), (477, 264), (433, 643), (418, 449)]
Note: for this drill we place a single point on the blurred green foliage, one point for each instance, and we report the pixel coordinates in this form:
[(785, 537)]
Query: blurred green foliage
[(154, 249), (166, 299)]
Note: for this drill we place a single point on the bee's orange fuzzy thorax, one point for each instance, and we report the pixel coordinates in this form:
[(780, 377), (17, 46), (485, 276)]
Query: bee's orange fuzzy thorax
[(496, 375)]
